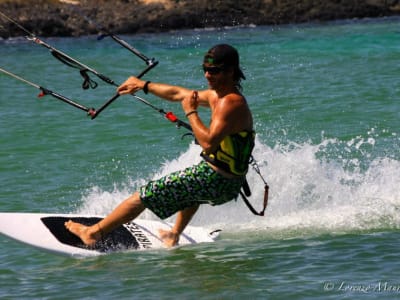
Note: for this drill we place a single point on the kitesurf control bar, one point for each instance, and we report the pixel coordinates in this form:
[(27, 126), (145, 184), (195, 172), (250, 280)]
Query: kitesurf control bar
[(69, 61), (45, 91), (151, 63)]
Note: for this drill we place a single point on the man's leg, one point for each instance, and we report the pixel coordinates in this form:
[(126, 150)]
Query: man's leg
[(171, 237), (128, 210)]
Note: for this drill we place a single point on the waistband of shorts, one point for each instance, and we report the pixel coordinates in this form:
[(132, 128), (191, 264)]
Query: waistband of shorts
[(224, 173)]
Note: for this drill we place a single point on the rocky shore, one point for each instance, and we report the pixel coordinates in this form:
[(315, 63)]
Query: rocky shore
[(70, 17)]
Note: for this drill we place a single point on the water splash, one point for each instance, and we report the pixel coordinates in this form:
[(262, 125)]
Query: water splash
[(333, 186)]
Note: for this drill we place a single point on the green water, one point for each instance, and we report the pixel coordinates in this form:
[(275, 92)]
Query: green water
[(325, 99)]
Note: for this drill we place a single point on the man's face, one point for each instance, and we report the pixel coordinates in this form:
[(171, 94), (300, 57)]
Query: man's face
[(215, 75)]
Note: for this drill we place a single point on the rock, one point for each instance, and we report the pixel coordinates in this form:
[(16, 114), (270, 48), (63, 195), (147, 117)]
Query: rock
[(68, 17)]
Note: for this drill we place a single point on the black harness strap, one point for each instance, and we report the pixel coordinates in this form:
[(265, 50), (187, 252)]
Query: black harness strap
[(247, 192)]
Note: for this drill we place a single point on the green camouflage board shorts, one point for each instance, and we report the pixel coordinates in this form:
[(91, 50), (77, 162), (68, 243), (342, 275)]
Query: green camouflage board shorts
[(198, 184)]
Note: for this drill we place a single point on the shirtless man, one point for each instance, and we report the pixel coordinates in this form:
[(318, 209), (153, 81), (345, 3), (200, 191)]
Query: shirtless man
[(226, 148)]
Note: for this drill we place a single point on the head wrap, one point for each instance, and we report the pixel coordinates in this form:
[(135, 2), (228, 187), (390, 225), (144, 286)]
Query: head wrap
[(225, 57)]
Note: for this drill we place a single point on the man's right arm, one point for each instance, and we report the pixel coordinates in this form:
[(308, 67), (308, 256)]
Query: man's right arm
[(165, 91), (168, 92), (162, 90)]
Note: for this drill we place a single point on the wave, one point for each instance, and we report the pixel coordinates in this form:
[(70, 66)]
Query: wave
[(310, 190)]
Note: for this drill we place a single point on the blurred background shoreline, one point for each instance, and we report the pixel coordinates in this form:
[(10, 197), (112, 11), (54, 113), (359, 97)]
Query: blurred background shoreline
[(74, 18)]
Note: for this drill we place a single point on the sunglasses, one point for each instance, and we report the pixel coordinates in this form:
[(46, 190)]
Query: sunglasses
[(212, 70)]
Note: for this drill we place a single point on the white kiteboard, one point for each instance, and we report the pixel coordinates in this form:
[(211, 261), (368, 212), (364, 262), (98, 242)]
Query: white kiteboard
[(47, 232)]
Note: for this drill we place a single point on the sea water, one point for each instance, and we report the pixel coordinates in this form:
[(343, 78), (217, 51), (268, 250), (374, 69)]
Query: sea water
[(325, 99)]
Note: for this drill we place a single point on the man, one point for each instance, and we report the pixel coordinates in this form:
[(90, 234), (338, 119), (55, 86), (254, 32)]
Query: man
[(227, 144)]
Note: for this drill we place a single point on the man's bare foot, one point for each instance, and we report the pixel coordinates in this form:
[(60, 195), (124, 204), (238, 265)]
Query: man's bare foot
[(88, 234), (169, 237)]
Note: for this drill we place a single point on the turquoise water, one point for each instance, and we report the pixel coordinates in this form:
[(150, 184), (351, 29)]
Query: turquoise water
[(325, 98)]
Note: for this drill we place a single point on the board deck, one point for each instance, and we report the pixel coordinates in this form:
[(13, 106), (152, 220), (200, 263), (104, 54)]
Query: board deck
[(47, 232)]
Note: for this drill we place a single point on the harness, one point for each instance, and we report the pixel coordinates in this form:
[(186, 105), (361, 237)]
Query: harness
[(234, 156)]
